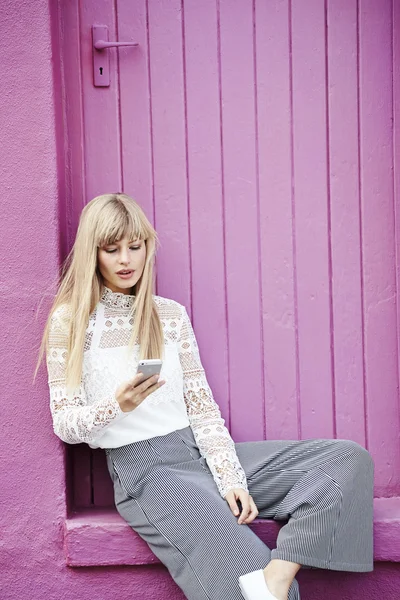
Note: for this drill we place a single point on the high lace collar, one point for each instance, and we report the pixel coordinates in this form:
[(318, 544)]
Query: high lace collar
[(116, 299)]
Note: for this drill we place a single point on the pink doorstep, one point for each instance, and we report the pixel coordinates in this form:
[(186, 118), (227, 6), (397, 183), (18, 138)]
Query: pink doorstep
[(101, 537)]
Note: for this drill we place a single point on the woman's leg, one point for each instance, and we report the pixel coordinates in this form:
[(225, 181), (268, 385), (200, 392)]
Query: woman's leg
[(324, 488), (177, 510), (279, 575)]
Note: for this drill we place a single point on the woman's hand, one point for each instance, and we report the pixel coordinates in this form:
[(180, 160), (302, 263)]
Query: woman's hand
[(132, 393), (249, 509)]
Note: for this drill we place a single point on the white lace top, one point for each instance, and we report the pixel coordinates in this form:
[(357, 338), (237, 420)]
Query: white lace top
[(93, 415)]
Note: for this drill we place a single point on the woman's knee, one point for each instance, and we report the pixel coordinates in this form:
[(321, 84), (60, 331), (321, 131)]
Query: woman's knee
[(358, 455)]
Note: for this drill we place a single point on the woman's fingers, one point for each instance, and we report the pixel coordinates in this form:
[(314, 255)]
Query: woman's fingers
[(249, 509), (137, 379), (246, 508), (231, 500), (142, 386), (132, 393), (253, 512), (153, 388)]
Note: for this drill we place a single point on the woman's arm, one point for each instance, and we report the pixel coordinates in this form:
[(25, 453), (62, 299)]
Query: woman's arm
[(73, 420), (212, 437)]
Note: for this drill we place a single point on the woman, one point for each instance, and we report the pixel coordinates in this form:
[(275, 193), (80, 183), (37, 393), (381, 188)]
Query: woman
[(179, 479)]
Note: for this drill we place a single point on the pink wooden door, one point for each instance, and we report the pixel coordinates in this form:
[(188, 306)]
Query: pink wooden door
[(259, 136)]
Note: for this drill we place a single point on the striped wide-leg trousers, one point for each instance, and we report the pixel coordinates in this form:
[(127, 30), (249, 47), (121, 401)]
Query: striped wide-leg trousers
[(323, 488)]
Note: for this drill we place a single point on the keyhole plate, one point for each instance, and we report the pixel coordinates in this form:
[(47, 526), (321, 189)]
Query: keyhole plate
[(101, 58)]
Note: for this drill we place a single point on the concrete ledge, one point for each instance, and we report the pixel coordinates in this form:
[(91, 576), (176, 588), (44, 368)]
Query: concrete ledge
[(387, 529), (101, 537)]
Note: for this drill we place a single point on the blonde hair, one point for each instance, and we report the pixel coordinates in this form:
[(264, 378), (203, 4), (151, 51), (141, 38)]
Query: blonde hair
[(105, 220)]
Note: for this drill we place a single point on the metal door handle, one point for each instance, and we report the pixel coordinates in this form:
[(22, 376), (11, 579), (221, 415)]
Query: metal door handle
[(101, 44), (101, 59)]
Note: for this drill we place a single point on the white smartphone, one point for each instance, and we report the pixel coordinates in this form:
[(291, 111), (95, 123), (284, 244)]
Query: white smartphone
[(149, 367)]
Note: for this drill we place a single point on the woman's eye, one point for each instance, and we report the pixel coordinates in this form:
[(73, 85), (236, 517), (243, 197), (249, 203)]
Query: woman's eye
[(111, 250)]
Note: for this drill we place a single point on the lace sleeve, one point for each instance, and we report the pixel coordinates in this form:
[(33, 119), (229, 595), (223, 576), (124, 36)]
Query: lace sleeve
[(211, 435), (73, 420)]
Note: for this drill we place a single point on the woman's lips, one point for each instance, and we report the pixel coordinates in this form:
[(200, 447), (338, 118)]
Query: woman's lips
[(125, 275)]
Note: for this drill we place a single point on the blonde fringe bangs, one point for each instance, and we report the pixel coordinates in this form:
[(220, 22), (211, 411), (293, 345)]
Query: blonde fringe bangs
[(117, 222)]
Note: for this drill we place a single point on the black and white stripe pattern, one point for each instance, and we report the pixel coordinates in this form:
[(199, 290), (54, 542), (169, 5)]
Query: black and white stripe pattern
[(165, 491)]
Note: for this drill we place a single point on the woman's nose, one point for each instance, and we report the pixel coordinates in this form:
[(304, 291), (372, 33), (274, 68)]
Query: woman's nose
[(124, 257)]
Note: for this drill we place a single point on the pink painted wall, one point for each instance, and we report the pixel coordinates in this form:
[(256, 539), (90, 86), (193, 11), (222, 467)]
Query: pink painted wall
[(34, 189), (32, 485)]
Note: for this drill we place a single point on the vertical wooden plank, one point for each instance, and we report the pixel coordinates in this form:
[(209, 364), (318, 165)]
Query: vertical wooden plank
[(103, 492), (169, 148), (378, 241), (396, 168), (81, 477), (311, 218), (205, 193), (276, 222), (345, 218), (70, 44), (78, 462), (100, 106), (241, 218), (135, 104)]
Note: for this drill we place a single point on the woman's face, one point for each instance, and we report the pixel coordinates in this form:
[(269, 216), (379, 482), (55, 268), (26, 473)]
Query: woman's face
[(121, 264)]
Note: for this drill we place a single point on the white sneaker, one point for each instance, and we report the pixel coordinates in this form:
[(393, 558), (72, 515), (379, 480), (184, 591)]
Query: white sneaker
[(253, 586)]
